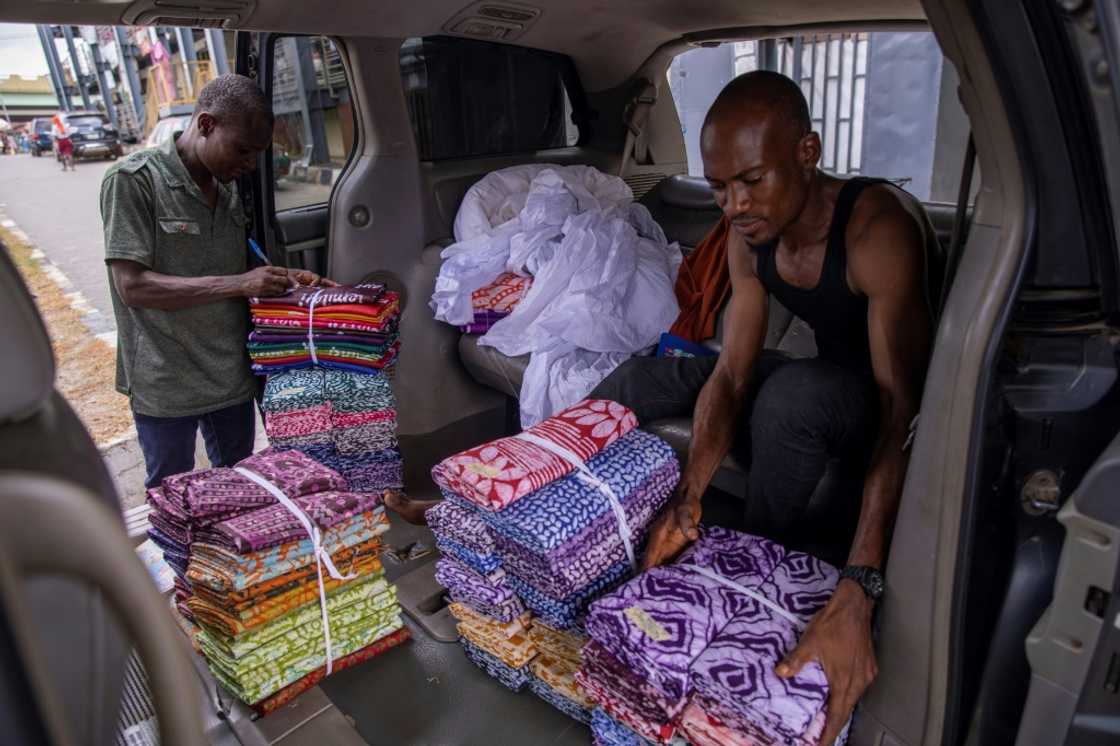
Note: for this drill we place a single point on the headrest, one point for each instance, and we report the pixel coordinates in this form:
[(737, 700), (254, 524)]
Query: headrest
[(686, 192), (27, 365)]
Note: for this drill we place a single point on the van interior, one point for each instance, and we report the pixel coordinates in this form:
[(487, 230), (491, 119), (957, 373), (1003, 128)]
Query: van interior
[(998, 621)]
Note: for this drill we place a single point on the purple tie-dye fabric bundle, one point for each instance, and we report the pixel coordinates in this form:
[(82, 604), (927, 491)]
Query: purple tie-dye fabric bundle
[(687, 634)]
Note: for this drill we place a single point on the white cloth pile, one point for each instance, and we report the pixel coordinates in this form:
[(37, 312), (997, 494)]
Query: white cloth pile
[(603, 275)]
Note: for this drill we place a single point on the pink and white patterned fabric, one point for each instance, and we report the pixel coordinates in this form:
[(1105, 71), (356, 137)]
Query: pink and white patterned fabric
[(503, 294), (309, 421), (499, 473)]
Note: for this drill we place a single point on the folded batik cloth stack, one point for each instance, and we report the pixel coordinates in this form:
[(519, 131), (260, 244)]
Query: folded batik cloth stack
[(186, 504), (562, 544), (261, 613), (350, 327), (343, 419), (547, 521), (690, 648), (251, 580), (554, 670), (495, 301), (502, 650)]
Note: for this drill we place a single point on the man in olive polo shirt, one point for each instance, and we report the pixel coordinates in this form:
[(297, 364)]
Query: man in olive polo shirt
[(175, 243)]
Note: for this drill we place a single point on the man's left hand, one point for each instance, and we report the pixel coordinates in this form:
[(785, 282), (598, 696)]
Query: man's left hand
[(307, 277), (839, 637)]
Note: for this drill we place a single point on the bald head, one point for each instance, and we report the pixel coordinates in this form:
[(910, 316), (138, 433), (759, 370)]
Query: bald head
[(759, 96), (759, 153)]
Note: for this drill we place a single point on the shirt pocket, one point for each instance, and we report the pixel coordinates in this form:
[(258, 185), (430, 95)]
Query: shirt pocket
[(181, 249), (179, 227)]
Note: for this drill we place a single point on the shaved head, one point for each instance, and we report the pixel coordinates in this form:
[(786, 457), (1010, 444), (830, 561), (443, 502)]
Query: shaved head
[(760, 153), (232, 125), (764, 93)]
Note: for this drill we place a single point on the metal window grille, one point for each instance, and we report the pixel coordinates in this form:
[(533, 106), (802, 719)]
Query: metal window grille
[(832, 72)]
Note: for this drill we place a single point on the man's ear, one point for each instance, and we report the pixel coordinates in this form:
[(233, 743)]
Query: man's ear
[(809, 151), (206, 123)]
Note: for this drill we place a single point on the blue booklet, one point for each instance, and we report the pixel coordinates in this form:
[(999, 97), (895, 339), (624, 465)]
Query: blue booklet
[(673, 346)]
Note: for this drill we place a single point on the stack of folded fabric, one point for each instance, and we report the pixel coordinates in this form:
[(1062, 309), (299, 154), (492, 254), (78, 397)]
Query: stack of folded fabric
[(690, 648), (495, 301), (344, 419), (252, 583), (502, 650), (566, 535), (546, 521), (350, 327), (554, 670)]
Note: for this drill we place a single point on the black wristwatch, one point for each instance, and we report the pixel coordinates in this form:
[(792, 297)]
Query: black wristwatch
[(869, 579)]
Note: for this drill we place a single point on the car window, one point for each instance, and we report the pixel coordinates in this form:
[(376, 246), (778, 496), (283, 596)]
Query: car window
[(885, 104), (469, 98), (314, 132)]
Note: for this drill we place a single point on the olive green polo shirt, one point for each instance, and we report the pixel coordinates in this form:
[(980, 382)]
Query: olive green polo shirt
[(191, 361)]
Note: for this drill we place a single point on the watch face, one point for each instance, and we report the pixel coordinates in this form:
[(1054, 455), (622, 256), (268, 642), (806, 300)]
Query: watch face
[(873, 582)]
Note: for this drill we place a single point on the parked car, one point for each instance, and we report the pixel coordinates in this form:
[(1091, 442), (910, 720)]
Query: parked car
[(165, 129), (39, 136), (92, 134)]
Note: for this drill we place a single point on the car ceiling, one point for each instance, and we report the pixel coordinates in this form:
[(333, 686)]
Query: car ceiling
[(608, 39)]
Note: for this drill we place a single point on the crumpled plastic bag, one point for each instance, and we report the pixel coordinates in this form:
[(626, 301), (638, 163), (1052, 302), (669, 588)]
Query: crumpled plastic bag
[(603, 275)]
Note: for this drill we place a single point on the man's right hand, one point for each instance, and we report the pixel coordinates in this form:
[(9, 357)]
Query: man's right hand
[(265, 282), (673, 531)]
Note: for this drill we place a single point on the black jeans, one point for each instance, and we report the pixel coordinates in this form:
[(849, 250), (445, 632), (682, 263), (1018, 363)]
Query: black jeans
[(803, 419), (168, 442)]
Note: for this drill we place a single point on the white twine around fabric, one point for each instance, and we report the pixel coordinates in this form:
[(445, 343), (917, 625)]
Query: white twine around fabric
[(709, 573), (321, 556), (585, 474), (311, 329)]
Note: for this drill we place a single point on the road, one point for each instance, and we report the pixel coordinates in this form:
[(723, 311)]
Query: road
[(60, 213)]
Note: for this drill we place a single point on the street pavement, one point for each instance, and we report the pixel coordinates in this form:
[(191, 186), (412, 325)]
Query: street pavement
[(60, 213)]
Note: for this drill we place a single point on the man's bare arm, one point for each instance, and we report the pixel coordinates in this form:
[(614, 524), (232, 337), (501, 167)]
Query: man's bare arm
[(888, 267), (718, 407), (885, 263), (141, 287)]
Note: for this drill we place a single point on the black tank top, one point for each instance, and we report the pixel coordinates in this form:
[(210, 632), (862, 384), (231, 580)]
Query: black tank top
[(837, 316)]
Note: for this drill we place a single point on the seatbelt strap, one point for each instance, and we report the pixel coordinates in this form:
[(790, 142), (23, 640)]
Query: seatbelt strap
[(636, 119)]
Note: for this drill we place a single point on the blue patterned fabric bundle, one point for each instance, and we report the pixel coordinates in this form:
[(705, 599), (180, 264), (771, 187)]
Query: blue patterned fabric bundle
[(344, 420)]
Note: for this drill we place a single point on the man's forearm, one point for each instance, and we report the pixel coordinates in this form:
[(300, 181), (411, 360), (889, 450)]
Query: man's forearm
[(172, 293), (882, 491), (713, 431)]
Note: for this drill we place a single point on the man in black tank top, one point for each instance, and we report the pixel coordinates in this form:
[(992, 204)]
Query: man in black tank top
[(848, 258)]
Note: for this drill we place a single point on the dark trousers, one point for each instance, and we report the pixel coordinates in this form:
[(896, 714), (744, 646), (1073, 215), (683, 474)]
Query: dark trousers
[(804, 421), (168, 442)]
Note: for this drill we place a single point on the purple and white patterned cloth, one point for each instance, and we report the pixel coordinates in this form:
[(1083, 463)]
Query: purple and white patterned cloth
[(456, 521), (276, 525), (714, 625), (660, 622), (223, 492), (487, 594), (626, 696)]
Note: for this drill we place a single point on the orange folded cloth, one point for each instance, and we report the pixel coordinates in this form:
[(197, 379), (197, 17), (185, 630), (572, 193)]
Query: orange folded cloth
[(703, 286)]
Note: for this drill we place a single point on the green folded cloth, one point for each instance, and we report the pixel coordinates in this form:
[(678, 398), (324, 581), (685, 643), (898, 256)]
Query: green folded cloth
[(372, 594), (266, 680), (284, 651)]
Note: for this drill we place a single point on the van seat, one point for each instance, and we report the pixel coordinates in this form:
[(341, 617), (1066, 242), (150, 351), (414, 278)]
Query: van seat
[(684, 208)]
